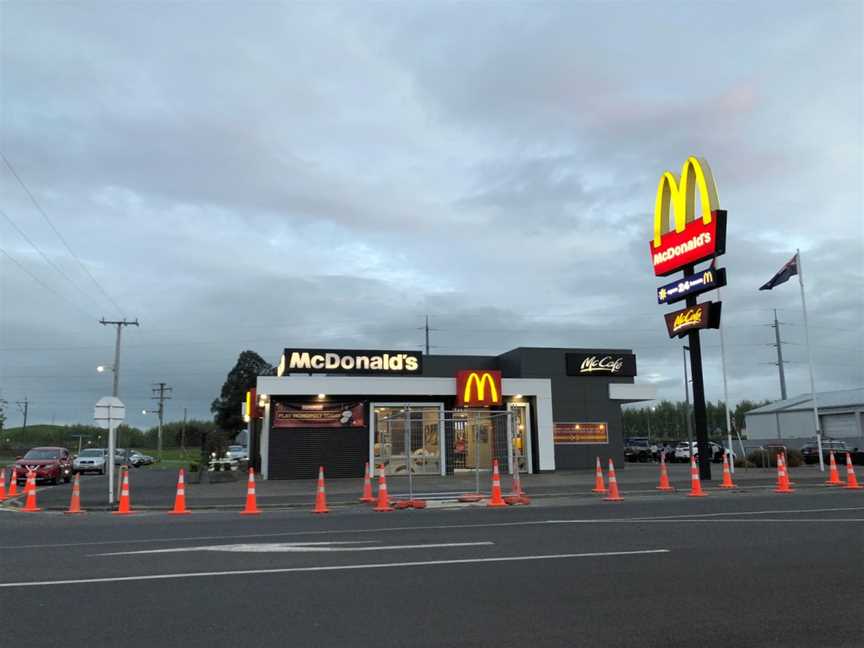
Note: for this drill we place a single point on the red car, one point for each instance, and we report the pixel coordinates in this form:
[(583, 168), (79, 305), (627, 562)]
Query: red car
[(50, 463)]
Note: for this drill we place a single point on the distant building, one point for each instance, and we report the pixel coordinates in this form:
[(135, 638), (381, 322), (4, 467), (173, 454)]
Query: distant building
[(841, 414)]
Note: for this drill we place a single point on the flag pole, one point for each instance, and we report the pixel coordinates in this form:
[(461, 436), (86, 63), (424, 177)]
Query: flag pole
[(810, 361), (726, 392)]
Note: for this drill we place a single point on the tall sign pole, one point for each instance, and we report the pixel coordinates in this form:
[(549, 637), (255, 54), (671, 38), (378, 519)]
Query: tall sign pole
[(109, 413), (679, 246), (810, 363)]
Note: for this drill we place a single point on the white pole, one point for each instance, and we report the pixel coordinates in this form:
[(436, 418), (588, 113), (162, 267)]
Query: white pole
[(726, 390), (810, 361), (110, 458)]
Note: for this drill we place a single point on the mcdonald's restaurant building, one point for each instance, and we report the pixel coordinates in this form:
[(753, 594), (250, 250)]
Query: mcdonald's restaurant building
[(545, 409)]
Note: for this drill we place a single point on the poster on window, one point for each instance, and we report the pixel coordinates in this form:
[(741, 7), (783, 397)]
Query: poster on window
[(580, 433), (318, 415)]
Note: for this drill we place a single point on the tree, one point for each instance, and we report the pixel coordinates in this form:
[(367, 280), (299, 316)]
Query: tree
[(241, 378)]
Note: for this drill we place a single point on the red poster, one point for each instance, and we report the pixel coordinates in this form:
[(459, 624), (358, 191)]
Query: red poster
[(318, 415)]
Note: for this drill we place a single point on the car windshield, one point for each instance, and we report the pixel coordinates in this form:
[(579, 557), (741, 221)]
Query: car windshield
[(92, 453), (36, 453), (235, 448)]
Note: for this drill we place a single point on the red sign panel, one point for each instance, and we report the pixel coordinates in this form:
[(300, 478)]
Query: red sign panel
[(318, 415), (580, 433), (696, 243), (476, 388)]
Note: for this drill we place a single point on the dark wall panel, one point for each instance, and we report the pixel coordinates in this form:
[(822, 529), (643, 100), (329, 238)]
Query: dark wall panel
[(296, 453)]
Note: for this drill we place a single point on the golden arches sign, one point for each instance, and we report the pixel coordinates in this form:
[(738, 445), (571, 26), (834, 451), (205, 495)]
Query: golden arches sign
[(681, 196)]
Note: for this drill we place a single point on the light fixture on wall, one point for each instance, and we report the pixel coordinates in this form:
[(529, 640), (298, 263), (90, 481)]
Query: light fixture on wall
[(322, 396)]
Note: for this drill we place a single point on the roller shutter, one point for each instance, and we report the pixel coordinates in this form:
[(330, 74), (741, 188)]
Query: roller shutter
[(839, 426), (297, 453)]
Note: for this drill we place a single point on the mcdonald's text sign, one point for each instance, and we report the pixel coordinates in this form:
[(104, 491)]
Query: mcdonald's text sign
[(476, 388), (688, 239)]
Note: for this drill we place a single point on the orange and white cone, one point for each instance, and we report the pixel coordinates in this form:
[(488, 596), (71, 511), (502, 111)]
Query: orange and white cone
[(367, 486), (782, 477), (496, 500), (599, 486), (851, 478), (664, 475), (517, 495), (614, 495), (2, 484), (180, 497), (251, 501), (13, 484), (30, 503), (320, 494), (695, 482), (727, 474), (75, 502), (125, 507), (786, 468), (834, 474), (383, 498)]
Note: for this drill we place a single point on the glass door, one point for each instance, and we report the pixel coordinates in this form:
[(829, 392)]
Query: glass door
[(521, 434), (407, 437)]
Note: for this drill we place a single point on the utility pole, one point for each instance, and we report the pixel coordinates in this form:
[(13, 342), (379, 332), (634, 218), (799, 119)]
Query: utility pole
[(24, 406), (183, 434), (116, 367), (427, 334), (779, 345), (161, 392)]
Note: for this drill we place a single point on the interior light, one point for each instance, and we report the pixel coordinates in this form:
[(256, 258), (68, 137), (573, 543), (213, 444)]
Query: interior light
[(100, 368), (518, 396)]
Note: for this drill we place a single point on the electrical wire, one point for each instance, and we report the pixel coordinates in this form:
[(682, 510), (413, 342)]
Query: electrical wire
[(60, 236)]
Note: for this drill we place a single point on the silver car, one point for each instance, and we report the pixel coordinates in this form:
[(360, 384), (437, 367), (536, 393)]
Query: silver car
[(90, 460)]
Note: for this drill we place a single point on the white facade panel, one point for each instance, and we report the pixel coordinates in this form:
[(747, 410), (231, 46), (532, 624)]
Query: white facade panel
[(840, 426), (632, 393)]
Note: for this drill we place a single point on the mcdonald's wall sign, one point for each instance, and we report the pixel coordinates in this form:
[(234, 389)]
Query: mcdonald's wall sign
[(687, 240), (475, 388)]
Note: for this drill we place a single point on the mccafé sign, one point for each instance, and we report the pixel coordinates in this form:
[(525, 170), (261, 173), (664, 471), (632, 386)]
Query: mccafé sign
[(700, 316), (689, 239), (330, 361), (601, 364), (476, 388)]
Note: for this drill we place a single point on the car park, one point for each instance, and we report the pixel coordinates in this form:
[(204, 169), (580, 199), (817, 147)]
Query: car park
[(682, 451), (810, 450), (49, 463), (90, 460)]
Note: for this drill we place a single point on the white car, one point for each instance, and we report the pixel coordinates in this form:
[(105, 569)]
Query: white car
[(682, 451), (237, 453), (90, 460)]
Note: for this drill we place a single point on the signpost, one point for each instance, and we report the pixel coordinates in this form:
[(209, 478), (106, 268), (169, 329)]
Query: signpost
[(680, 245), (109, 413)]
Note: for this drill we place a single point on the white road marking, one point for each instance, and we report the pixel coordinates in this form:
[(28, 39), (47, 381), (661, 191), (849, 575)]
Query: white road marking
[(324, 568), (429, 527), (299, 547), (706, 521)]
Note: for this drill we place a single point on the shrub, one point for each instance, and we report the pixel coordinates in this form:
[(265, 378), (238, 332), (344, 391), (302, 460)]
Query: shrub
[(759, 458)]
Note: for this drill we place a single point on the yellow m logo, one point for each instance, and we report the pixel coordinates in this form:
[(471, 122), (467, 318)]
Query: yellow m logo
[(682, 197)]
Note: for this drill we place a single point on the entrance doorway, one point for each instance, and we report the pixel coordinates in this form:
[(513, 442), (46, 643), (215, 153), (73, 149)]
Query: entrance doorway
[(407, 437), (521, 434), (479, 436)]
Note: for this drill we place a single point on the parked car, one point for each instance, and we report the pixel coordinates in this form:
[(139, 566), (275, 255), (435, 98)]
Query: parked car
[(237, 453), (90, 460), (682, 451), (50, 464), (637, 449), (136, 459), (810, 450)]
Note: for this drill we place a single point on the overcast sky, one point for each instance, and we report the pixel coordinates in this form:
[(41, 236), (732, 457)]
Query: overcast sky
[(265, 175)]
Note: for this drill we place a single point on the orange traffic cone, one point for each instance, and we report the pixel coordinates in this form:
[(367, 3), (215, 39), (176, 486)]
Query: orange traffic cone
[(851, 479), (383, 499), (599, 486), (180, 497), (782, 477), (834, 475), (13, 484), (75, 502), (664, 475), (30, 487), (2, 484), (787, 469), (251, 501), (496, 500), (367, 486), (695, 482), (727, 474), (517, 495), (125, 507), (614, 495), (320, 494)]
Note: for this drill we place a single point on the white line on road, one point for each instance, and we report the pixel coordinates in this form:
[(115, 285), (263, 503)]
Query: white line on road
[(299, 547), (426, 527), (322, 568)]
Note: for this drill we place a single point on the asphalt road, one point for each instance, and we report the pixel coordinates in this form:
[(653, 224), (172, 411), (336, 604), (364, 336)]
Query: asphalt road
[(746, 569)]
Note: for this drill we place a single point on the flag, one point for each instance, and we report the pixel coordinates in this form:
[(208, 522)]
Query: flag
[(783, 275)]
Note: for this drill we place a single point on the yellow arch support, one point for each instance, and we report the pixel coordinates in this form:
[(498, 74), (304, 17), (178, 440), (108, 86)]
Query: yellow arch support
[(682, 197)]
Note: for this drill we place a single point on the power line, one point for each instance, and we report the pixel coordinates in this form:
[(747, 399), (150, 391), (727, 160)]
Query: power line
[(60, 236), (45, 286), (42, 254)]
